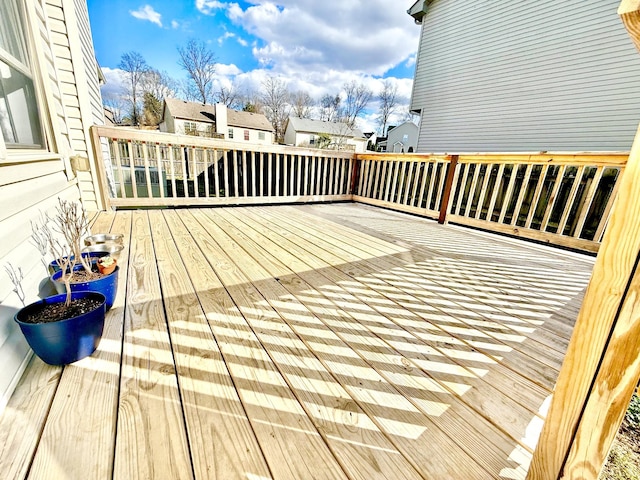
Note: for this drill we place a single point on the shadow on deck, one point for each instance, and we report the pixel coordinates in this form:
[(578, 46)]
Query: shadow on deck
[(317, 341)]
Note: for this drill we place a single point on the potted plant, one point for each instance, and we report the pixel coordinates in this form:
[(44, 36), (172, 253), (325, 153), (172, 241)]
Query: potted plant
[(66, 327), (76, 270)]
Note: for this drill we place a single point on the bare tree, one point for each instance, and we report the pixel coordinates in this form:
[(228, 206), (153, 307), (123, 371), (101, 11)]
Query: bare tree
[(199, 62), (117, 105), (231, 96), (135, 67), (357, 98), (301, 104), (330, 107), (275, 101), (388, 103), (159, 84)]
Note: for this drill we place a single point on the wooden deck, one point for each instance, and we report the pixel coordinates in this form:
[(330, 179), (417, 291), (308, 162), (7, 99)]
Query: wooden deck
[(305, 342)]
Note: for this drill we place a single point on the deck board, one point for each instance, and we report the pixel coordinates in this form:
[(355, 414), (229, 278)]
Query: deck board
[(314, 341)]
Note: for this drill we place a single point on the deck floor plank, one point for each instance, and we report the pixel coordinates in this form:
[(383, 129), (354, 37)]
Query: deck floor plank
[(339, 335), (408, 429), (336, 341), (151, 437), (292, 446), (211, 405)]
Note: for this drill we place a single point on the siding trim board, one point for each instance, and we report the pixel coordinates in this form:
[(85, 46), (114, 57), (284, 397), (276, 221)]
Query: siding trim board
[(494, 75)]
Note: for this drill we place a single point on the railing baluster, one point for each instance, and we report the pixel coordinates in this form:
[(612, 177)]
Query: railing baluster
[(536, 196), (483, 191), (364, 169), (277, 184), (432, 184), (116, 144), (216, 172), (572, 198), (132, 170), (424, 168), (262, 175), (507, 196), (236, 179), (254, 169), (463, 187), (194, 155), (291, 170), (341, 166), (225, 163), (472, 190), (270, 174), (205, 159), (244, 173), (588, 201), (387, 191), (184, 166), (407, 171), (173, 171), (160, 170), (147, 175), (394, 184), (494, 194), (314, 180), (523, 191), (607, 211), (332, 178), (552, 198)]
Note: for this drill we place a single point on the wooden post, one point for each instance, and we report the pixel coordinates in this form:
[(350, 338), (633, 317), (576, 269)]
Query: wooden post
[(602, 364), (102, 194), (448, 188), (354, 176)]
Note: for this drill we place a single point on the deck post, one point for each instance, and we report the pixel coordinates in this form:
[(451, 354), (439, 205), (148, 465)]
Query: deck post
[(602, 365), (355, 173), (448, 189), (104, 199)]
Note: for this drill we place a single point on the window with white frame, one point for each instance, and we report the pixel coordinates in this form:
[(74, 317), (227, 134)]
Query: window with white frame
[(261, 136), (19, 117), (230, 135), (190, 128), (246, 135)]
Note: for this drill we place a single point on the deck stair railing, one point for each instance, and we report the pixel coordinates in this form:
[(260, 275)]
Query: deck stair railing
[(560, 198)]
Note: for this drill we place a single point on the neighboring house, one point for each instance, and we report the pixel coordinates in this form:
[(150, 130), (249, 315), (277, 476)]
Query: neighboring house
[(216, 121), (303, 132), (403, 138), (49, 97), (510, 76)]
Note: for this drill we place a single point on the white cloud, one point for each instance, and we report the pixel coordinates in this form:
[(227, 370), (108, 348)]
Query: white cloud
[(174, 24), (114, 83), (208, 6), (147, 13), (363, 36)]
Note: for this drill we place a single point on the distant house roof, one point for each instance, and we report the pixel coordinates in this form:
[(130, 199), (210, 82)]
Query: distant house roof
[(256, 121), (191, 110), (198, 112), (320, 126)]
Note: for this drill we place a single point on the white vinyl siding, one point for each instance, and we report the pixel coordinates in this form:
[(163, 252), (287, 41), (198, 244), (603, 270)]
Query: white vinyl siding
[(497, 75)]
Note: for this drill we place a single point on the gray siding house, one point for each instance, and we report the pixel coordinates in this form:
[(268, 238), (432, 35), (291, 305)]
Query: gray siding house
[(504, 76)]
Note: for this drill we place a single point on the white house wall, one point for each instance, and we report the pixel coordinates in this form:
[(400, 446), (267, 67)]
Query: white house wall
[(498, 75), (31, 183)]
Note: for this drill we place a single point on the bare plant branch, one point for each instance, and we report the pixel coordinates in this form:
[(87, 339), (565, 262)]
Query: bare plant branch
[(16, 278)]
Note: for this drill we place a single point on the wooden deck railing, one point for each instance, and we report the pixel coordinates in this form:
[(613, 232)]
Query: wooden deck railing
[(563, 199), (158, 169)]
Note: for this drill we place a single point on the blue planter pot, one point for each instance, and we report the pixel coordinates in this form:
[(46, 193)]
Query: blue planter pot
[(65, 341), (106, 285), (94, 256)]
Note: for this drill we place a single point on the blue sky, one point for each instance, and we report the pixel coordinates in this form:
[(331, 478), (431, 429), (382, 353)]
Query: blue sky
[(315, 46)]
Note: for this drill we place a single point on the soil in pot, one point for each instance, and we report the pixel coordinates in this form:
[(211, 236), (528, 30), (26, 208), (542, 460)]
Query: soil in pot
[(54, 312)]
